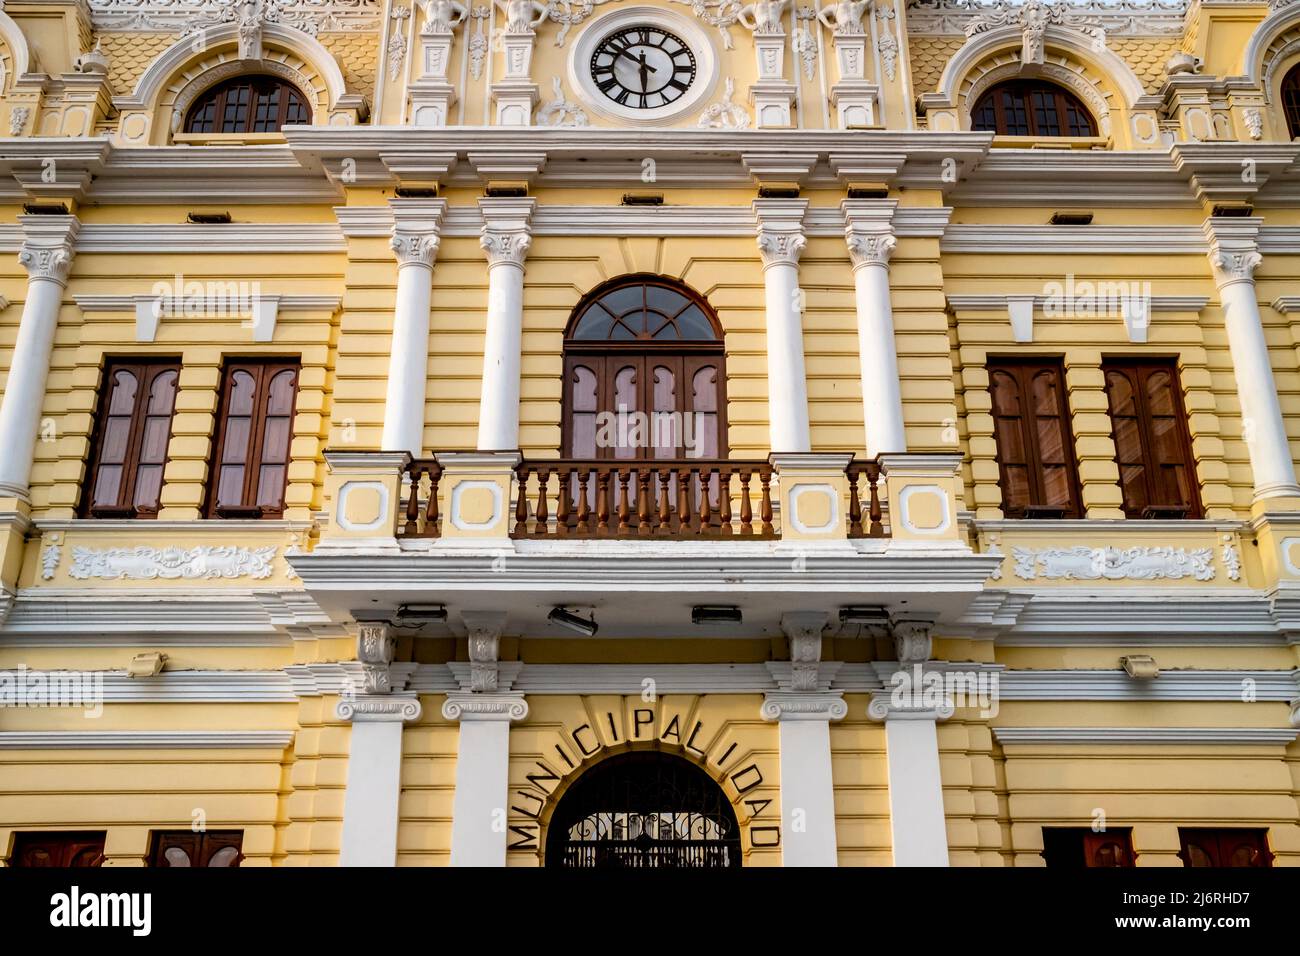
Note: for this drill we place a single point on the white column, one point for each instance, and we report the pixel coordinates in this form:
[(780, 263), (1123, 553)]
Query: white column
[(485, 707), (416, 224), (805, 707), (917, 823), (780, 243), (46, 254), (505, 239), (1234, 256), (870, 237), (377, 708)]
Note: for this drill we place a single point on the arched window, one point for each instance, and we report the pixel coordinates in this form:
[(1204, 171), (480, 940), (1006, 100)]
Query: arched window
[(644, 374), (1291, 101), (643, 810), (1031, 108), (248, 104)]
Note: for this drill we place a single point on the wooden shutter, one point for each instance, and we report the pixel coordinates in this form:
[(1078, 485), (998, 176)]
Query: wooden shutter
[(184, 848), (132, 430), (1225, 847), (254, 432), (1031, 421), (79, 849), (1153, 449)]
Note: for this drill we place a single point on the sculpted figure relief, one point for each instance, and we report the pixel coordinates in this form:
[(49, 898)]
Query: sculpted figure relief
[(763, 17), (847, 16), (443, 16), (522, 15)]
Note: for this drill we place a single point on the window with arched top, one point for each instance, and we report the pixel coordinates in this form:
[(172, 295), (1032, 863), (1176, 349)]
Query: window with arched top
[(248, 104), (1031, 108), (644, 374), (1291, 101)]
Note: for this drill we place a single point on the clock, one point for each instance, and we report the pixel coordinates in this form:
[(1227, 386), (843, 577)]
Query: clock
[(642, 67)]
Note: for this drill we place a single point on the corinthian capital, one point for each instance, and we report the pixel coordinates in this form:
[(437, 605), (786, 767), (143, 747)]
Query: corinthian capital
[(417, 224), (48, 246), (1234, 247), (507, 224), (912, 642), (869, 231), (781, 240)]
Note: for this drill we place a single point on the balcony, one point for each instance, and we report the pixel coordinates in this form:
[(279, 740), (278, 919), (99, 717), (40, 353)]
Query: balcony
[(640, 542), (640, 499)]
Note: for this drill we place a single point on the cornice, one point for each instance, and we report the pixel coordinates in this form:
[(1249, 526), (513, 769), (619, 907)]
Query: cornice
[(1230, 736), (145, 739), (1088, 240)]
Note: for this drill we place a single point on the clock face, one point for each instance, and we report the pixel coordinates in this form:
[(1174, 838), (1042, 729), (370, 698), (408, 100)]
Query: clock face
[(643, 67)]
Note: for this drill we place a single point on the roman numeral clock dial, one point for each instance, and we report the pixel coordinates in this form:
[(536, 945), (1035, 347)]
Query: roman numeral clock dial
[(643, 67)]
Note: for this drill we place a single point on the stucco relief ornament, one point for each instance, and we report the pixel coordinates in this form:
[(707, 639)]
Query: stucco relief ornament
[(722, 14), (397, 41), (868, 249), (781, 247), (46, 262), (1183, 63), (1231, 559), (804, 43), (1114, 564), (1238, 266), (309, 16), (726, 114), (250, 30), (763, 17), (844, 17), (442, 16), (18, 120), (1254, 122), (567, 14), (559, 111), (1033, 18), (205, 562), (50, 556), (375, 650), (478, 44), (887, 45), (94, 61)]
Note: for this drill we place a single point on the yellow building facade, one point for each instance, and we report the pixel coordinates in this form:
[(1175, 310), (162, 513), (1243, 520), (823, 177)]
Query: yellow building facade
[(649, 433)]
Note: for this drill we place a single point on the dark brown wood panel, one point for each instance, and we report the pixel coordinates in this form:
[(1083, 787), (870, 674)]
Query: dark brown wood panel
[(181, 848), (250, 461), (59, 849), (1031, 421)]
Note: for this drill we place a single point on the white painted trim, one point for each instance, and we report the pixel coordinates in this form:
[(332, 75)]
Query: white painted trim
[(1114, 736), (16, 41), (145, 739), (1086, 240), (246, 237)]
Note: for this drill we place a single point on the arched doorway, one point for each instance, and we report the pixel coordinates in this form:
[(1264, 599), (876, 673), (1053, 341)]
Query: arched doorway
[(644, 344), (643, 810)]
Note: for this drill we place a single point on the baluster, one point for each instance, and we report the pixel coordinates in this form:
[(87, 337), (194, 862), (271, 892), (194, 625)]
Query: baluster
[(541, 519), (565, 478), (765, 505), (643, 501), (685, 500), (602, 501), (746, 510), (621, 478), (584, 508), (412, 526), (877, 529), (665, 506), (431, 529), (521, 503), (724, 500), (855, 505), (706, 511)]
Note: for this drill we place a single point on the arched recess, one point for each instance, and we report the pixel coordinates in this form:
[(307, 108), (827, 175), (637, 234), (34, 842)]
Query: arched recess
[(1096, 75), (155, 109), (642, 809), (1272, 53), (15, 55)]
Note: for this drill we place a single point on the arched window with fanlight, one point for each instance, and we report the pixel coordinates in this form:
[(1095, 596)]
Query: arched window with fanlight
[(248, 104), (1291, 101), (1031, 108), (644, 374)]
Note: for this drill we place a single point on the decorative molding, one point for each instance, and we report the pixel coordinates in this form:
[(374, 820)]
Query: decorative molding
[(781, 239), (1082, 563), (416, 227), (1088, 240), (506, 235), (395, 55), (1234, 248), (726, 113), (1115, 17), (560, 111), (1238, 736), (484, 642), (145, 739), (203, 562), (1171, 685), (48, 246), (219, 238), (478, 42), (184, 16), (380, 708)]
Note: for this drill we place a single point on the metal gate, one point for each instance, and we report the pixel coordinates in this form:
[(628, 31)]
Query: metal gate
[(644, 810)]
